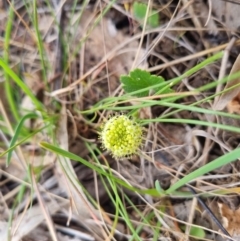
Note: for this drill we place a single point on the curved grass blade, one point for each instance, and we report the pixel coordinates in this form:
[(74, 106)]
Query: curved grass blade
[(220, 161), (23, 140), (16, 134), (193, 122), (21, 84), (74, 157)]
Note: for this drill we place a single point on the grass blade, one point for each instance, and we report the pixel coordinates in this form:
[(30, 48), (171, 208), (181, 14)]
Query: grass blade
[(17, 132), (7, 83), (21, 84), (221, 161)]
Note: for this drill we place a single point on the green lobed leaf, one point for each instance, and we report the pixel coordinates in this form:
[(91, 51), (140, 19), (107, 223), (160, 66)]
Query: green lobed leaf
[(139, 79), (140, 11)]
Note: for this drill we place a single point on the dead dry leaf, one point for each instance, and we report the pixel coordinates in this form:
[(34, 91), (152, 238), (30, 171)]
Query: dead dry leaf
[(230, 102), (227, 13), (102, 43), (31, 219), (199, 12), (230, 220), (231, 98), (69, 184)]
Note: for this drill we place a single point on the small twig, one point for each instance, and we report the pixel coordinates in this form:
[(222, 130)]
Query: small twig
[(209, 211), (232, 1)]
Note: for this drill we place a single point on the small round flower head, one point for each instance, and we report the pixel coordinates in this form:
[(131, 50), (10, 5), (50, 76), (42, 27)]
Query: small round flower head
[(121, 136)]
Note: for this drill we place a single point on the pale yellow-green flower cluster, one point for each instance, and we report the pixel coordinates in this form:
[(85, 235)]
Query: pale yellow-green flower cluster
[(121, 136)]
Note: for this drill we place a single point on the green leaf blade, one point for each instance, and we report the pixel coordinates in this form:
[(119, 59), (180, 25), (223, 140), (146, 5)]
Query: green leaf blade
[(197, 232), (219, 162), (16, 134)]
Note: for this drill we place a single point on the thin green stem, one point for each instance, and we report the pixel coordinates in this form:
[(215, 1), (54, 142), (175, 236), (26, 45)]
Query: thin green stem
[(8, 84)]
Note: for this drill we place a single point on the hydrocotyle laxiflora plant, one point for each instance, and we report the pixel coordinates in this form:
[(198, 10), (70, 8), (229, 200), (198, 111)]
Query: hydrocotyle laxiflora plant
[(121, 136)]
